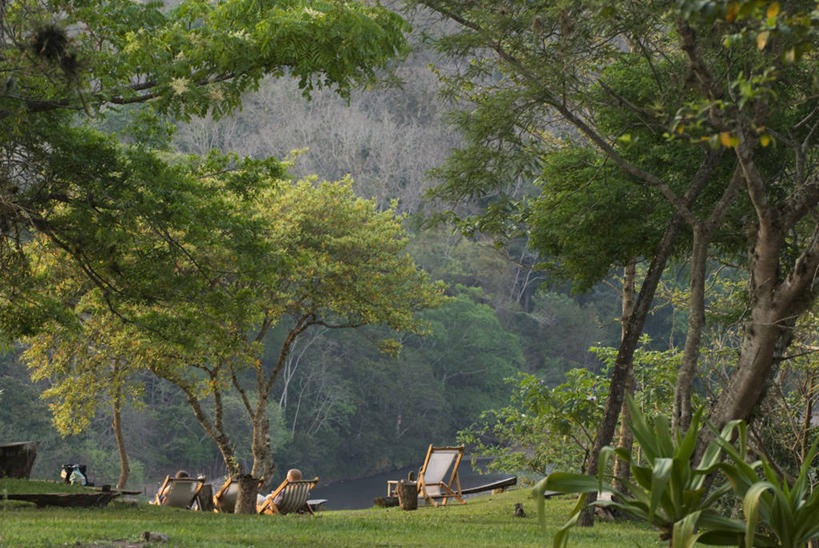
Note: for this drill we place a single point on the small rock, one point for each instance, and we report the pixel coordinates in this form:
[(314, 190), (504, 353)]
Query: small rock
[(149, 536), (604, 514), (519, 512)]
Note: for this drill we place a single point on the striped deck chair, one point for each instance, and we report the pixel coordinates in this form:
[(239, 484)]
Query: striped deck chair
[(294, 496), (225, 498), (431, 478), (178, 492)]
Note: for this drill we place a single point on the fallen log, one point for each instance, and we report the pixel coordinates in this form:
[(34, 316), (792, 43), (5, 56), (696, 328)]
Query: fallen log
[(385, 502)]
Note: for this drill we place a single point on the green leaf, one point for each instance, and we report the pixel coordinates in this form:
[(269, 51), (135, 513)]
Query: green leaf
[(684, 533), (567, 482), (561, 538), (660, 476), (750, 506)]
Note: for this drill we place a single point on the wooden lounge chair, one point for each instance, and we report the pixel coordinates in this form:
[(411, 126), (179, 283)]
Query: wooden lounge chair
[(431, 478), (294, 498), (178, 492), (225, 498)]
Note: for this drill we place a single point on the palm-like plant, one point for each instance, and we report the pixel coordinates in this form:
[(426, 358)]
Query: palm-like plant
[(790, 513), (666, 490), (670, 493)]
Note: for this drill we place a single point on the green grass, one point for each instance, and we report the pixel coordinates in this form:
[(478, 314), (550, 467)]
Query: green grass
[(483, 521), (15, 486)]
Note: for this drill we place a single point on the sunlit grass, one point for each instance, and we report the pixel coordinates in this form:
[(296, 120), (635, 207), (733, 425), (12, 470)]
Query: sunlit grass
[(15, 485), (483, 521)]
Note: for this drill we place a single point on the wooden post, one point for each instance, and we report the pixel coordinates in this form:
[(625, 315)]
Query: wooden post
[(246, 497), (407, 494)]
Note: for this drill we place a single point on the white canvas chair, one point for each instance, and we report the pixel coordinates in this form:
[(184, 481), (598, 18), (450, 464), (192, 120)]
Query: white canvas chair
[(432, 483), (178, 492), (294, 498)]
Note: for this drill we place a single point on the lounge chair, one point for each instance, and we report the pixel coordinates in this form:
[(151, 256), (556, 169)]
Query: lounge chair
[(294, 498), (431, 477), (178, 492), (225, 498)]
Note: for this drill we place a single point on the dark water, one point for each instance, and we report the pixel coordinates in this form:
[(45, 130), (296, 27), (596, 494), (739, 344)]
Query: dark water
[(359, 493)]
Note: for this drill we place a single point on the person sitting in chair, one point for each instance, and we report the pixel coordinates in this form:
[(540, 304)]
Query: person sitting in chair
[(179, 474), (294, 474), (284, 499)]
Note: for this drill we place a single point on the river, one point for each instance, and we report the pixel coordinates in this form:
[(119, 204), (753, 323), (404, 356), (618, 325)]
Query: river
[(359, 493)]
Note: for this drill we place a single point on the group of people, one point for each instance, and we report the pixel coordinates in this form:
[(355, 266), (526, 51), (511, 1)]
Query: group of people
[(294, 474)]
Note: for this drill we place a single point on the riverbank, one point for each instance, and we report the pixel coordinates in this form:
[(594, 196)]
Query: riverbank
[(484, 521), (358, 494)]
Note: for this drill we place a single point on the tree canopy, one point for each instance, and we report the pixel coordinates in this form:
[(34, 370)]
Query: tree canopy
[(700, 116), (70, 65), (291, 255)]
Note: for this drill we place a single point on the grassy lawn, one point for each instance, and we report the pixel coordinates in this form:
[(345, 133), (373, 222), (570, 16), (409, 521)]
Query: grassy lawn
[(483, 521), (13, 486)]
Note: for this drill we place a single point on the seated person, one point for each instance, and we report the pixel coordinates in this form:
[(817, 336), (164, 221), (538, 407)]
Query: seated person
[(161, 496), (267, 505), (294, 474)]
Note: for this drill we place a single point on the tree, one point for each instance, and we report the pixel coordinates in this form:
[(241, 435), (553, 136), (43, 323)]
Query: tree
[(70, 65), (293, 255), (91, 368), (711, 71), (68, 61), (545, 428)]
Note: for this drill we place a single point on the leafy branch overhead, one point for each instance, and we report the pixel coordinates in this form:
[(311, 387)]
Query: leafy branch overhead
[(193, 59), (72, 67)]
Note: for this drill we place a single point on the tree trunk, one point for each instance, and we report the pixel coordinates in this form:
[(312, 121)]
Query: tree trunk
[(263, 466), (621, 467), (776, 304), (755, 361), (681, 414), (216, 434), (625, 354), (246, 495), (702, 234), (407, 492), (124, 468)]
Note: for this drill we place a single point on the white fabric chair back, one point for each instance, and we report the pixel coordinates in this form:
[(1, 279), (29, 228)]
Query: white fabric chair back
[(227, 501), (181, 492), (294, 496), (440, 462)]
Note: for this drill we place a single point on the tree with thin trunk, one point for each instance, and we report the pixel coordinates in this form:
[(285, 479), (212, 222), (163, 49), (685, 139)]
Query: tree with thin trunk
[(293, 255), (626, 437), (91, 371)]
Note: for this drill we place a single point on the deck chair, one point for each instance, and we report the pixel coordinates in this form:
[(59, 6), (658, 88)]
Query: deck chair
[(294, 498), (178, 492), (432, 482), (225, 498)]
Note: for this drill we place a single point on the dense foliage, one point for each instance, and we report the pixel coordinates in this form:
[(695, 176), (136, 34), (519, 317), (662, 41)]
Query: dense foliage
[(546, 427), (168, 282)]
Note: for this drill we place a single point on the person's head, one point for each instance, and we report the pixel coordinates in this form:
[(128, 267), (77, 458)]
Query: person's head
[(294, 474), (182, 474)]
